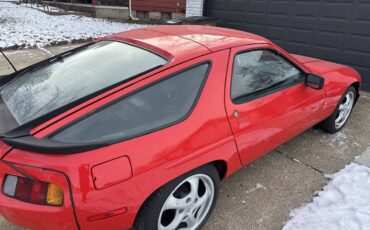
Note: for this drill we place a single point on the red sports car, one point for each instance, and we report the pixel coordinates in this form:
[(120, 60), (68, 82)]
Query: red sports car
[(137, 129)]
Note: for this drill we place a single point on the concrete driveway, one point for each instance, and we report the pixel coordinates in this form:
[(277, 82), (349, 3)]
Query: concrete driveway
[(261, 195)]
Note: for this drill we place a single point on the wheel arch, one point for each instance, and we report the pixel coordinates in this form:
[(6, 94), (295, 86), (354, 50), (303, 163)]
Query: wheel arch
[(356, 84), (219, 165), (224, 158)]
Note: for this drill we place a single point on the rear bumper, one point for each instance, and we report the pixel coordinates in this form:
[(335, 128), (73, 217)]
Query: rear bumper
[(33, 216)]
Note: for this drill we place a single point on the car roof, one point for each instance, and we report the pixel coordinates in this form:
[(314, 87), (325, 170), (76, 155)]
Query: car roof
[(181, 42)]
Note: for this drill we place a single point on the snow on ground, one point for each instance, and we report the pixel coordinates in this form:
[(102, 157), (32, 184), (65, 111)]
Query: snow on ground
[(21, 26), (258, 186), (338, 142), (343, 204)]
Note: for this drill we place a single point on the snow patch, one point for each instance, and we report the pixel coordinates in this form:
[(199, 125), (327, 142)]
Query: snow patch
[(257, 187), (343, 204), (21, 26), (46, 51), (298, 161), (337, 141)]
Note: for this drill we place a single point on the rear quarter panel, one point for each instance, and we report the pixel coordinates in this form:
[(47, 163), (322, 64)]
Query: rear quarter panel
[(34, 216)]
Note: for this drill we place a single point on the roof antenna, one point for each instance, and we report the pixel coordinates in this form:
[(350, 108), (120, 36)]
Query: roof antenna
[(8, 60)]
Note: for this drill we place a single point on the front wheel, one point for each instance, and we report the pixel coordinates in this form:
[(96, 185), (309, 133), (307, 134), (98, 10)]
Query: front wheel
[(184, 203), (339, 118)]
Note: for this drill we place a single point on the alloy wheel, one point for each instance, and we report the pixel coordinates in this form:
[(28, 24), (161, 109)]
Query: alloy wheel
[(188, 204), (344, 109)]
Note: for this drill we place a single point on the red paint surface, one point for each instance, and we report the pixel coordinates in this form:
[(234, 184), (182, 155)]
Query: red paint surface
[(111, 172), (211, 133)]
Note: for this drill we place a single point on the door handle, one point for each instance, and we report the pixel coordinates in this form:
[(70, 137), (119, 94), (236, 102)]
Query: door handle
[(243, 121)]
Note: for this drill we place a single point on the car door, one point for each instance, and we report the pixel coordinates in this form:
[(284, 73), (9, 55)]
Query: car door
[(266, 100)]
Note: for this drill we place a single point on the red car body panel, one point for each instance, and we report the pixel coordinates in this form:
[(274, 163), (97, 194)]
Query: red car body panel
[(37, 216), (212, 133), (337, 79), (262, 124), (212, 39), (4, 149)]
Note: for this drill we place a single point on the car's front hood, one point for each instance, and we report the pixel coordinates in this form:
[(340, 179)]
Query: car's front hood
[(318, 66), (304, 59)]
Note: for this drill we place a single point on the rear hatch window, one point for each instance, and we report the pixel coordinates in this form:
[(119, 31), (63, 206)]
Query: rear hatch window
[(42, 90)]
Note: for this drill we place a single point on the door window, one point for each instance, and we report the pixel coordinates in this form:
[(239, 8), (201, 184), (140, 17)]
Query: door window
[(260, 72)]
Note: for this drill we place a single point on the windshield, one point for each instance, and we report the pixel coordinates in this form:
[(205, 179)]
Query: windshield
[(103, 64)]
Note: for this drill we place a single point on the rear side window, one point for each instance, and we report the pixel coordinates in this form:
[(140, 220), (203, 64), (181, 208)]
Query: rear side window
[(42, 90), (148, 109)]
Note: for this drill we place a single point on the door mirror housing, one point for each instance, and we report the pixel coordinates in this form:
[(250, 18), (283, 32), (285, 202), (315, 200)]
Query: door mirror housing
[(314, 81)]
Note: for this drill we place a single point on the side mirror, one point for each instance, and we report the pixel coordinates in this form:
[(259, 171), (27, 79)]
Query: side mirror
[(314, 81)]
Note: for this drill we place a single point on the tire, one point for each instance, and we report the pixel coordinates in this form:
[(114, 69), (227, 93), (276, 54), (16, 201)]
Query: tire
[(331, 124), (157, 210)]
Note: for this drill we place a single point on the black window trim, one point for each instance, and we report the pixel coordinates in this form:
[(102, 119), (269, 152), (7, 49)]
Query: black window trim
[(47, 145), (253, 96), (24, 129)]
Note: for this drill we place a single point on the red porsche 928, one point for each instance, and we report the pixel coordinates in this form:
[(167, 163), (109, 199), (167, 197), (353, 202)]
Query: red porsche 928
[(137, 129)]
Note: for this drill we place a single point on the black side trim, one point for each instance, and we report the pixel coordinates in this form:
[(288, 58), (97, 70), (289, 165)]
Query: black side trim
[(33, 144)]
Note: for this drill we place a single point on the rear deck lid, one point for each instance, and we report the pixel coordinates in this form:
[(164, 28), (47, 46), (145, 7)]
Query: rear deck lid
[(4, 149)]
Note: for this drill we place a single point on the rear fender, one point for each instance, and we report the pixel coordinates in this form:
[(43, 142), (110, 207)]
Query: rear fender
[(26, 214)]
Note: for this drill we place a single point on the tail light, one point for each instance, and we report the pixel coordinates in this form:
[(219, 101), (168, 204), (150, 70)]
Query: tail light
[(33, 191)]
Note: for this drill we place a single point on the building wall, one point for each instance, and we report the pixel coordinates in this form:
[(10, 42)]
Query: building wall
[(194, 8), (166, 6), (112, 2)]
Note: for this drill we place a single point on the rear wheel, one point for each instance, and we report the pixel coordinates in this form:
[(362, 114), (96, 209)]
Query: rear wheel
[(184, 203), (339, 118)]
